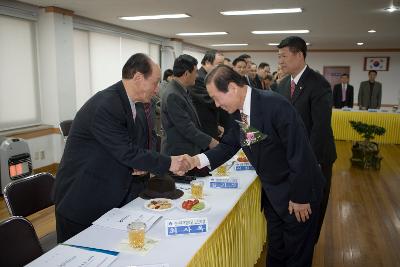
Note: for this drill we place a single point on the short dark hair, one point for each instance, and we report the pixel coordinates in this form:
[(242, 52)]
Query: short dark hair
[(184, 63), (137, 63), (345, 74), (252, 63), (295, 44), (237, 60), (222, 75), (227, 59), (374, 71), (167, 73), (209, 56), (245, 56), (263, 65)]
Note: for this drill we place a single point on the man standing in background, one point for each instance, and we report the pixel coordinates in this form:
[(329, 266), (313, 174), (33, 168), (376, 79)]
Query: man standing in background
[(370, 93), (206, 110), (311, 94), (343, 93)]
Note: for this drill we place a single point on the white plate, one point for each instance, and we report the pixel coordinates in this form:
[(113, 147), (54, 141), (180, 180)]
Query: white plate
[(206, 208), (146, 204)]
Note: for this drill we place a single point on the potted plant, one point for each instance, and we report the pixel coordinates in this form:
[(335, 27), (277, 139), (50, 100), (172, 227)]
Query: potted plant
[(366, 153)]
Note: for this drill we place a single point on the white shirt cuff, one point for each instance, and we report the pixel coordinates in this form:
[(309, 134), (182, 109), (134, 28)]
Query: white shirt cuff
[(203, 161)]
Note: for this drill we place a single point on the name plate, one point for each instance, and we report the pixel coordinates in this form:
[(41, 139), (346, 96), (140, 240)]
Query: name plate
[(186, 226), (244, 166), (224, 182)]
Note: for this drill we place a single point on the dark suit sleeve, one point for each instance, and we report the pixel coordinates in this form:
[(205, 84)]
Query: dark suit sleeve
[(361, 95), (379, 96), (351, 96), (335, 96), (299, 154), (110, 130), (321, 113), (227, 148), (178, 114)]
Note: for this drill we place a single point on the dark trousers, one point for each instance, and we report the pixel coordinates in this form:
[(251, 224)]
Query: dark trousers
[(67, 228), (327, 172), (290, 243)]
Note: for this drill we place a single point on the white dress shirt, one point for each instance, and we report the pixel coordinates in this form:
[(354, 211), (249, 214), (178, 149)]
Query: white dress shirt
[(298, 76)]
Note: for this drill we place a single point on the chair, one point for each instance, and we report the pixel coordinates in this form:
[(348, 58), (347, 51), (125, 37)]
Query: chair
[(19, 243), (65, 126), (29, 195)]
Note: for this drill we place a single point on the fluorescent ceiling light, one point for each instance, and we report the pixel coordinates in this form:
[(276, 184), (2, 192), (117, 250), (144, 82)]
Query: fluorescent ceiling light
[(276, 44), (166, 16), (200, 33), (229, 44), (360, 43), (262, 11), (391, 9), (371, 31), (280, 32)]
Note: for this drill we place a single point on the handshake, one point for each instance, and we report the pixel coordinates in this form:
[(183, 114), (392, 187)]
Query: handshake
[(183, 163)]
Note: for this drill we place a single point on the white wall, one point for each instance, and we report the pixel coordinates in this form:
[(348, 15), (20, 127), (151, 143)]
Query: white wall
[(317, 61), (52, 145)]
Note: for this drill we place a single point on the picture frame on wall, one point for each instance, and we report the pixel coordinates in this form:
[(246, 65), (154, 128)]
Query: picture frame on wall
[(376, 63), (333, 73)]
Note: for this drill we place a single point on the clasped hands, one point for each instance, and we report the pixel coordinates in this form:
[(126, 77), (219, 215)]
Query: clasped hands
[(183, 163)]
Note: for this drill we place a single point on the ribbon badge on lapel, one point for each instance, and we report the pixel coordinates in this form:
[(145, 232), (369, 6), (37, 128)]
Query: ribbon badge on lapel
[(249, 135)]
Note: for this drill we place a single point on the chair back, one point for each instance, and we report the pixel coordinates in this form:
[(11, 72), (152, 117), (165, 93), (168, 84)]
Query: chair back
[(29, 195), (19, 243), (65, 126)]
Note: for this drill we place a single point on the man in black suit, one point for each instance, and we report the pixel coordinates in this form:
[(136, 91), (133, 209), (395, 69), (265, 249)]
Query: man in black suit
[(181, 124), (343, 93), (292, 181), (263, 71), (206, 110), (105, 146), (311, 94)]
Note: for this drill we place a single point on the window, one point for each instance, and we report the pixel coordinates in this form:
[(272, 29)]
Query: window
[(19, 95)]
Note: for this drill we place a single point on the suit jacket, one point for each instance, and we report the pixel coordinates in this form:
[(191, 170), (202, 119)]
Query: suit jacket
[(103, 146), (312, 98), (205, 106), (366, 99), (258, 83), (183, 134), (337, 96), (284, 161)]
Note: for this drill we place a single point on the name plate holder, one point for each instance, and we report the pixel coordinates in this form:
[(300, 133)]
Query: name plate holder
[(224, 182), (244, 166), (186, 226)]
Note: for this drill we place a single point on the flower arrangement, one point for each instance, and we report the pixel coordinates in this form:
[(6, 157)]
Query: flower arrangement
[(249, 135)]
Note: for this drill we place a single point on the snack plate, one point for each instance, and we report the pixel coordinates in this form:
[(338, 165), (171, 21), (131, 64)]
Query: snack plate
[(148, 202)]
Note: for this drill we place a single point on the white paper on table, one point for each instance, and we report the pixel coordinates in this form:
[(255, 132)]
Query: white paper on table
[(120, 218), (67, 256), (153, 265)]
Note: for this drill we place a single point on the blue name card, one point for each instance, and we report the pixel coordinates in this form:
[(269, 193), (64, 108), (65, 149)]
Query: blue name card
[(244, 166), (186, 226), (226, 183)]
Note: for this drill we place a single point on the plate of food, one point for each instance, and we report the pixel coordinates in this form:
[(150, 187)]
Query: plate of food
[(193, 205), (159, 204)]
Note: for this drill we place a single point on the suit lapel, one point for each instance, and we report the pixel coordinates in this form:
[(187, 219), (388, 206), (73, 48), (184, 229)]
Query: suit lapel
[(255, 112), (127, 108), (186, 96), (300, 85)]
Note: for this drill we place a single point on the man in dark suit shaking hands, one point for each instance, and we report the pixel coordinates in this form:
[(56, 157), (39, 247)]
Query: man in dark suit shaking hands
[(311, 94), (106, 150), (343, 93), (292, 181)]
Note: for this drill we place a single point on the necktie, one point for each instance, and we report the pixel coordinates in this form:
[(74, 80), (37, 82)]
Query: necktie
[(149, 119), (292, 87), (244, 118)]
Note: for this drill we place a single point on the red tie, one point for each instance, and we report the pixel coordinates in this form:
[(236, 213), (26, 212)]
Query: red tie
[(147, 111), (292, 87)]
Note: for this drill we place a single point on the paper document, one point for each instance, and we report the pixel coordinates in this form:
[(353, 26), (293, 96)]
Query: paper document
[(67, 256), (120, 218)]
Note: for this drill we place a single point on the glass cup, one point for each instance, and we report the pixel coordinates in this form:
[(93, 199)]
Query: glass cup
[(197, 189), (136, 231), (222, 170)]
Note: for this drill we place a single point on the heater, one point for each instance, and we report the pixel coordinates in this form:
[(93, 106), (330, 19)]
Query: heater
[(15, 160)]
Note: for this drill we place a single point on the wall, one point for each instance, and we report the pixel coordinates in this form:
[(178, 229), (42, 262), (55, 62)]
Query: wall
[(317, 61), (52, 145)]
